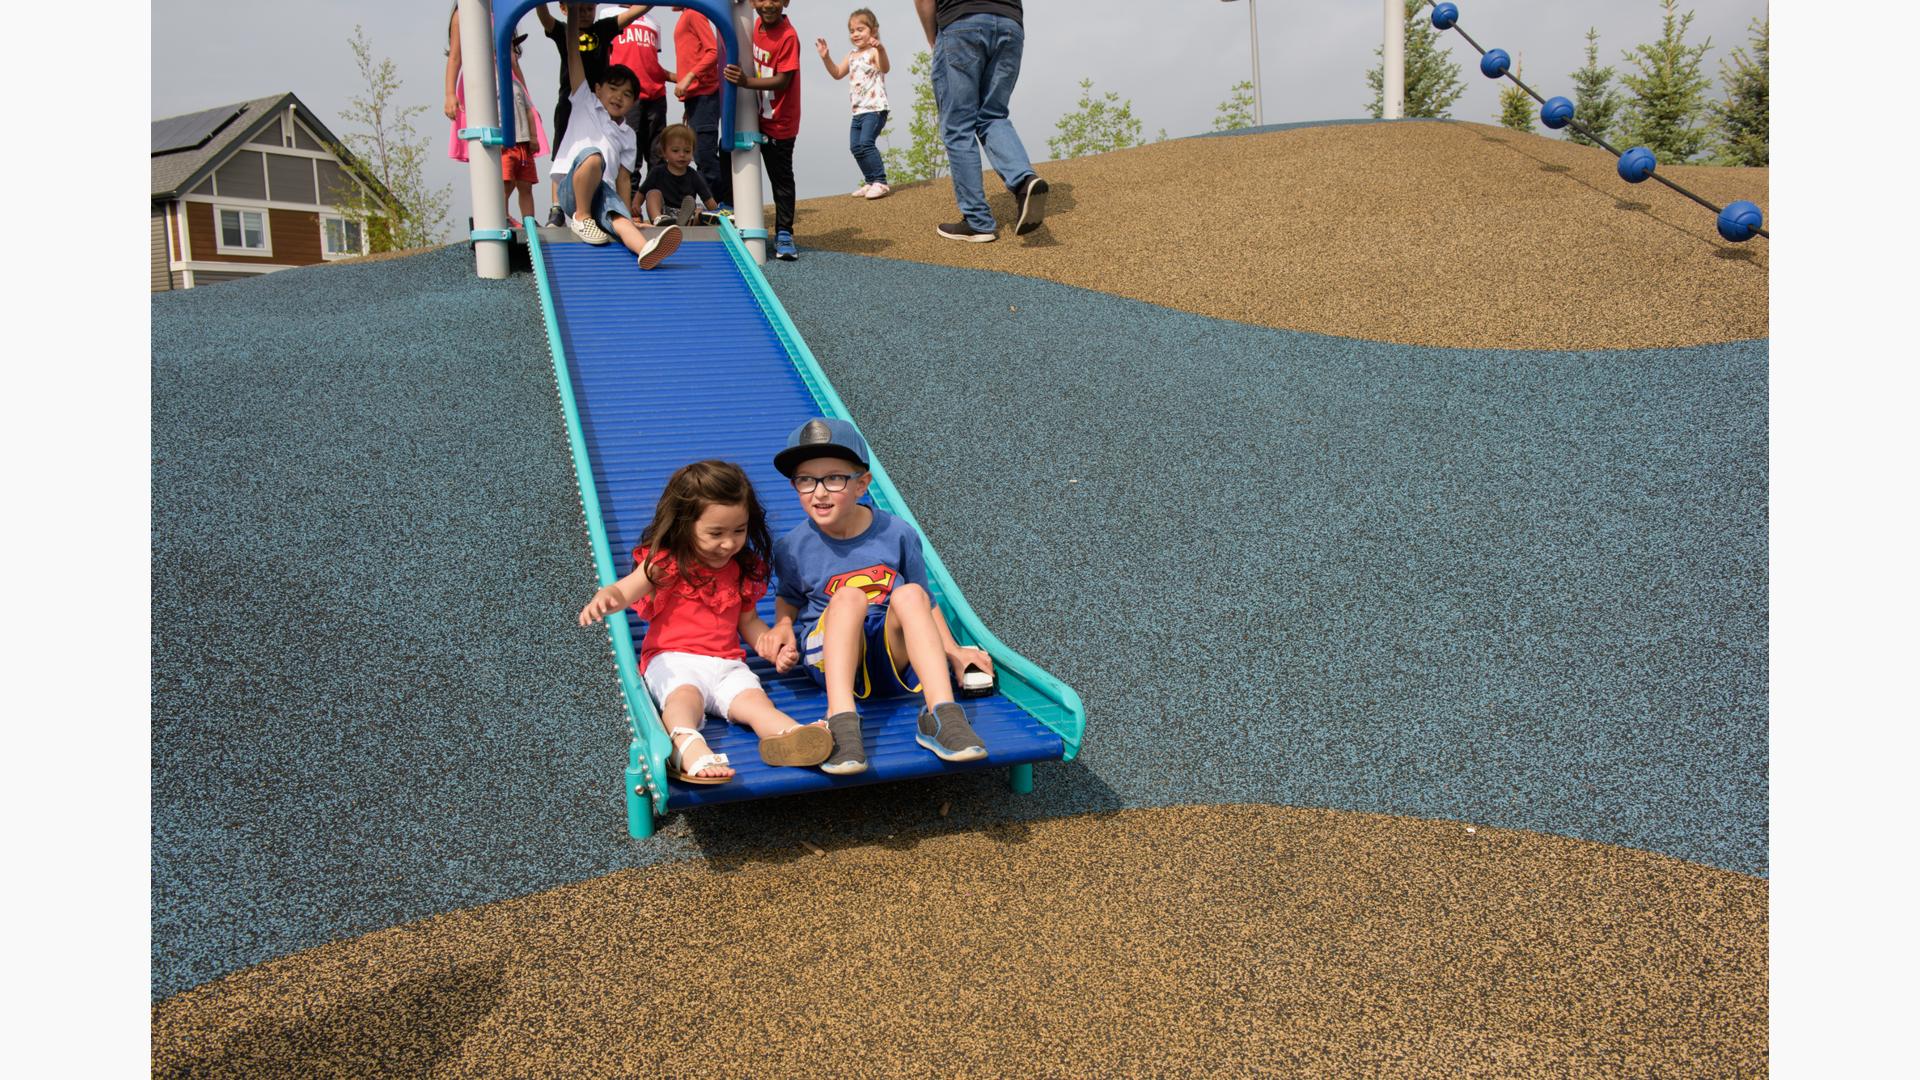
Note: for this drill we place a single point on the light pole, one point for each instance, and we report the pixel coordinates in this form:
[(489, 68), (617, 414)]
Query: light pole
[(1393, 62), (1253, 33)]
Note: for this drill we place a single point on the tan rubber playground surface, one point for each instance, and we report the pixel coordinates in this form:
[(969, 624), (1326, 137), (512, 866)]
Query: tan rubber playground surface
[(1219, 941), (1451, 234)]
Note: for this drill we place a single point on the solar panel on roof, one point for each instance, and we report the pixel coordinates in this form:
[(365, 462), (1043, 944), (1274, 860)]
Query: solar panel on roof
[(191, 130)]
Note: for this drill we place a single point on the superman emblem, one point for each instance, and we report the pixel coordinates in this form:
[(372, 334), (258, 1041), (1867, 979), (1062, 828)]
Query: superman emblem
[(876, 581)]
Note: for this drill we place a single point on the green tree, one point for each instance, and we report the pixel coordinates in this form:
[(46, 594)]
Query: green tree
[(926, 157), (1741, 120), (1669, 99), (1237, 111), (407, 214), (1096, 126), (1516, 108), (1596, 104), (1432, 78)]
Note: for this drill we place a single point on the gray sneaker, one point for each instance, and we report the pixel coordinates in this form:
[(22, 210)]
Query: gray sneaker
[(848, 756), (945, 731)]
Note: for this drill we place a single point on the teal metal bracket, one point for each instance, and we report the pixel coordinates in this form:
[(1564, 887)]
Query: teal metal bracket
[(488, 136), (747, 140), (752, 234), (491, 234)]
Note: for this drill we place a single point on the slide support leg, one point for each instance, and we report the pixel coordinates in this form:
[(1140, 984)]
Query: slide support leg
[(1020, 778)]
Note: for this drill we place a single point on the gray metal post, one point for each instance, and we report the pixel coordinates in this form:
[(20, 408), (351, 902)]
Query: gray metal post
[(749, 213), (1253, 36), (483, 111), (1393, 56), (1253, 31)]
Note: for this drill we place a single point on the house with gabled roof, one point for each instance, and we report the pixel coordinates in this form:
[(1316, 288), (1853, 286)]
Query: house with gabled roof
[(246, 189)]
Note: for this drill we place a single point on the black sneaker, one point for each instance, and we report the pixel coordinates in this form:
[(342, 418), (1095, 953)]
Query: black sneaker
[(960, 230), (848, 756), (945, 731), (1033, 206), (556, 219)]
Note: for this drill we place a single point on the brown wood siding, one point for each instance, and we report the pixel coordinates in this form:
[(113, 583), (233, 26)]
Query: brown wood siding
[(157, 249), (295, 237)]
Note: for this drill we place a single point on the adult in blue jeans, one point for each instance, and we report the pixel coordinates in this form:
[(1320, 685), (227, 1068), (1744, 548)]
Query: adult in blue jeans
[(976, 61)]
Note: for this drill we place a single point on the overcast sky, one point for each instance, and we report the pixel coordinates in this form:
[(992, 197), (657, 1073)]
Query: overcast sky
[(1175, 60)]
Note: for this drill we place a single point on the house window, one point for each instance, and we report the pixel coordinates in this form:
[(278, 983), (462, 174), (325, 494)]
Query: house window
[(342, 237), (241, 232)]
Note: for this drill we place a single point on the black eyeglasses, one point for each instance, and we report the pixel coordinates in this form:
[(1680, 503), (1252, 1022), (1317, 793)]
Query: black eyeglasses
[(832, 482)]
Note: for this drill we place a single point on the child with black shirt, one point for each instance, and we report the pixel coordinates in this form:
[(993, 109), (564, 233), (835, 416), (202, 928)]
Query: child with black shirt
[(674, 191)]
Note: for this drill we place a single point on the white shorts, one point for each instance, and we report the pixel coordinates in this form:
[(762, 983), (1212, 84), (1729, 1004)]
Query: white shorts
[(719, 681)]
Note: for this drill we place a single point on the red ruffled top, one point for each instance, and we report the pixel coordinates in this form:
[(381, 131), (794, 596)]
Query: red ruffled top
[(700, 616)]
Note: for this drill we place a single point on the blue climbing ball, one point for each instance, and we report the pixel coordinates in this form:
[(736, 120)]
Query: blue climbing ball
[(1495, 63), (1556, 112), (1636, 164), (1445, 15), (1739, 221)]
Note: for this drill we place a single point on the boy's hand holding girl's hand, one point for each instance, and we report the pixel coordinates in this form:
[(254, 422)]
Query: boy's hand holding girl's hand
[(604, 603), (777, 647)]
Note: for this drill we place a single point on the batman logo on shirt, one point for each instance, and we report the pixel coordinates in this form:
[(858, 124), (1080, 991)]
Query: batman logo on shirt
[(876, 581)]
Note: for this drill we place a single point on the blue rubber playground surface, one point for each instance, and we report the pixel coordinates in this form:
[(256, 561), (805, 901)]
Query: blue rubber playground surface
[(1521, 588)]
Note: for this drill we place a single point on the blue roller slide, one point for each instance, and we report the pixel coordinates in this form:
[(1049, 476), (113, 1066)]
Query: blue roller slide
[(694, 360)]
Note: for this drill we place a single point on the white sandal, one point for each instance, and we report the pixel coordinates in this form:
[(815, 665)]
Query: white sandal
[(687, 775)]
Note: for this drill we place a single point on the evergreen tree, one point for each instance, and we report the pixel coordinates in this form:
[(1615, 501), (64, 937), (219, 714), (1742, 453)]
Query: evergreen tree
[(1237, 111), (1432, 79), (1596, 103), (1516, 108), (390, 152), (1669, 99), (926, 157), (1742, 118), (1095, 126)]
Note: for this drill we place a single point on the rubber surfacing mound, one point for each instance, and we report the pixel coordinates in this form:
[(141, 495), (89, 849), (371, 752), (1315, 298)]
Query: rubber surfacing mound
[(452, 892), (1419, 233), (1212, 941)]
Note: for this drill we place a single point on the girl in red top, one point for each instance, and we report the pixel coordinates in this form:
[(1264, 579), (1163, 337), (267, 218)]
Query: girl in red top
[(701, 566)]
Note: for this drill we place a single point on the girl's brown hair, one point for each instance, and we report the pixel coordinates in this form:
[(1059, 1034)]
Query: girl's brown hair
[(690, 490), (873, 21)]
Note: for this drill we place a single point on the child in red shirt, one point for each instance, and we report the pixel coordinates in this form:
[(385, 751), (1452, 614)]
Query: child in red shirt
[(776, 61), (696, 53), (701, 566)]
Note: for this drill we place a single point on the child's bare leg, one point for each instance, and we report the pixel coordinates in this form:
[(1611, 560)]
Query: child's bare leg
[(526, 198), (844, 620), (756, 710), (633, 236), (655, 204), (684, 708), (586, 182), (912, 636), (782, 741)]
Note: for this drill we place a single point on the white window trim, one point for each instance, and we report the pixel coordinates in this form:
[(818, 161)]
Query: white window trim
[(266, 231), (236, 268), (235, 202), (329, 256)]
